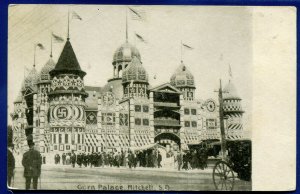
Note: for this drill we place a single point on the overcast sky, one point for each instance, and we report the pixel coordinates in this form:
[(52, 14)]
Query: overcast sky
[(219, 35)]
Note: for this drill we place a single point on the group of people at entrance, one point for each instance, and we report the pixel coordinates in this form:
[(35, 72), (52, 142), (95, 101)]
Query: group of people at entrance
[(191, 159), (132, 159)]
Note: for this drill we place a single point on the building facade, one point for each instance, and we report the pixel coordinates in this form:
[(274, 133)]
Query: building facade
[(125, 113)]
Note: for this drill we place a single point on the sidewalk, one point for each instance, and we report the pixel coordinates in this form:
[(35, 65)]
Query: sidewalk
[(193, 171)]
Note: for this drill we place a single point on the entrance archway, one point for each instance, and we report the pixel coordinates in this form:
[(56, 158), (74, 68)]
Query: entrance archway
[(168, 140)]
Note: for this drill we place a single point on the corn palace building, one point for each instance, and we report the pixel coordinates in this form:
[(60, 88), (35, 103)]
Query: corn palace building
[(63, 114)]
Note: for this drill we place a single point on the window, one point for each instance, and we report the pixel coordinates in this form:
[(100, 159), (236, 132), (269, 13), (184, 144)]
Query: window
[(59, 138), (137, 121), (55, 147), (187, 123), (145, 108), (194, 112), (211, 123), (66, 138), (194, 123), (186, 111), (146, 122), (78, 138), (54, 138), (67, 147), (137, 108), (108, 118)]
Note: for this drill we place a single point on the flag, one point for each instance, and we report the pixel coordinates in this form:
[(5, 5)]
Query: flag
[(137, 14), (57, 38), (187, 46), (40, 46), (230, 73), (140, 38), (76, 16)]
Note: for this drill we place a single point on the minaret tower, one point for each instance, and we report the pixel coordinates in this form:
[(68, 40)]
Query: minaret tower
[(184, 81), (67, 103), (135, 80), (43, 89), (233, 112)]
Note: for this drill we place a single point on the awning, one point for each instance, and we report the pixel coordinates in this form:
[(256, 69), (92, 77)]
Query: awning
[(146, 147)]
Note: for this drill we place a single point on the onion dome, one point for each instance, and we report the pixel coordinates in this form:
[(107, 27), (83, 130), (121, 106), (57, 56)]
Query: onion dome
[(67, 62), (230, 92), (44, 74), (125, 53), (31, 80), (182, 77), (135, 72)]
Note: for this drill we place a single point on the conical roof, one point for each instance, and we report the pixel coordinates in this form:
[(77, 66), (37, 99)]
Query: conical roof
[(67, 62), (31, 80), (182, 77), (135, 72), (44, 74), (230, 91)]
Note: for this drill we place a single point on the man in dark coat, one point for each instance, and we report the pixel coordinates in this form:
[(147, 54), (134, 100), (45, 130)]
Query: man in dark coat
[(73, 158), (159, 158), (10, 163), (32, 162)]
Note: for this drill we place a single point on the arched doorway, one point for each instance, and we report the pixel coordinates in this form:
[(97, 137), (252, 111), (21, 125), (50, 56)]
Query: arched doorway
[(168, 140)]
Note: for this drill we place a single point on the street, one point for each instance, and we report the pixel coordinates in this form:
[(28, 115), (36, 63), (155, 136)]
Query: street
[(59, 177)]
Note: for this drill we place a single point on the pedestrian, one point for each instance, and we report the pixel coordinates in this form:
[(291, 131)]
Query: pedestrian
[(73, 158), (10, 163), (159, 159), (79, 160), (58, 159), (63, 158), (68, 159), (32, 162), (179, 160)]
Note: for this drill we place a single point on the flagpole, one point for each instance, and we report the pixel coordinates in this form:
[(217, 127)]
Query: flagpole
[(34, 55), (126, 24), (181, 52), (51, 45), (68, 37)]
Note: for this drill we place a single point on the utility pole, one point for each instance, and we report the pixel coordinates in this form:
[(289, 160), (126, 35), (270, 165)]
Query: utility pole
[(223, 139)]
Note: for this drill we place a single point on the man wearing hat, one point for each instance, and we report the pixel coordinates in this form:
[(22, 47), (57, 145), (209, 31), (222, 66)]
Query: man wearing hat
[(32, 162), (10, 163)]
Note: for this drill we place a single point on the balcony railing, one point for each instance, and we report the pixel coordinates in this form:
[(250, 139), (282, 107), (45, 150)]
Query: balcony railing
[(164, 122), (167, 104)]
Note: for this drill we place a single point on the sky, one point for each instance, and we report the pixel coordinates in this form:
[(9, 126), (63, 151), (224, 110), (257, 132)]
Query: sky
[(220, 36)]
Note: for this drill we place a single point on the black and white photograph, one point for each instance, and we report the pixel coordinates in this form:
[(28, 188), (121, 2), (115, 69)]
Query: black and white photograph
[(130, 97)]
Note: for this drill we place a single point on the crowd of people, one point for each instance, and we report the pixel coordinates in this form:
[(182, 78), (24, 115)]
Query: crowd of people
[(132, 159), (191, 159), (152, 158)]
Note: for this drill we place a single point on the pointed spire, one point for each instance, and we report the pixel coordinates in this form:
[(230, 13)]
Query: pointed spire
[(230, 73), (67, 62)]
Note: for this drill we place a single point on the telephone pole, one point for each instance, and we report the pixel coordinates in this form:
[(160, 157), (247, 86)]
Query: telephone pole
[(223, 139)]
